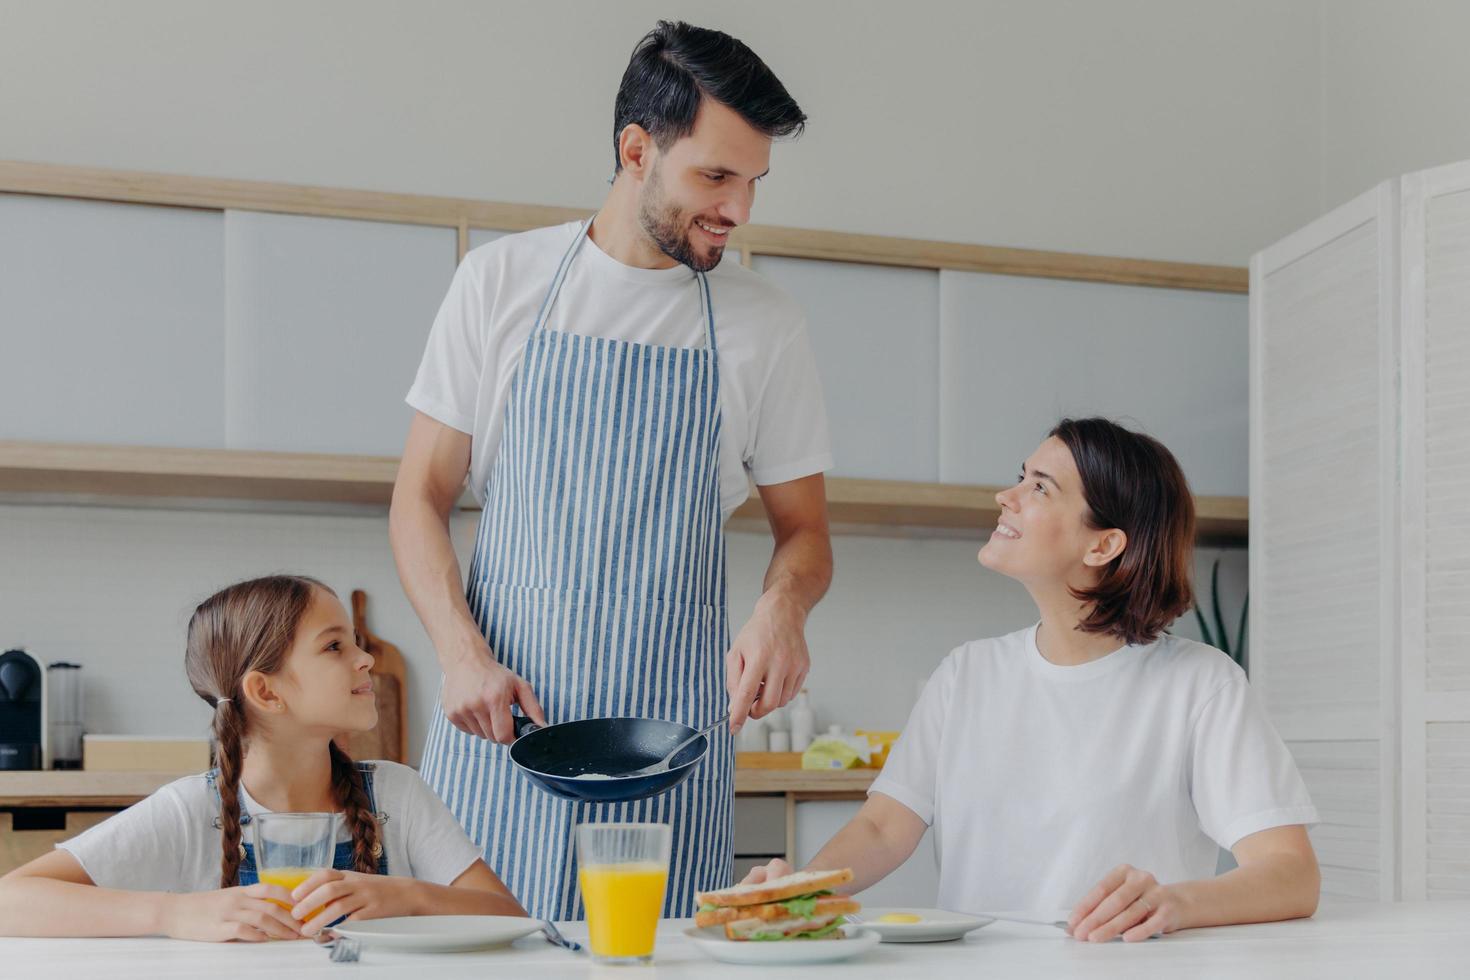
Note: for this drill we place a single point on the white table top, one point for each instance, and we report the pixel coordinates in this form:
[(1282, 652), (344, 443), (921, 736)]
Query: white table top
[(1408, 941)]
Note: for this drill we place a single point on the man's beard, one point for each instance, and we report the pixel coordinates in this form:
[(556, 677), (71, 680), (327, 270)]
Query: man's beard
[(668, 229)]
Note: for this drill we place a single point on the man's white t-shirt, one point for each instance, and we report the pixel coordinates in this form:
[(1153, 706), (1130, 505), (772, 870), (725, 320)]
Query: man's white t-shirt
[(168, 842), (1039, 779), (773, 422)]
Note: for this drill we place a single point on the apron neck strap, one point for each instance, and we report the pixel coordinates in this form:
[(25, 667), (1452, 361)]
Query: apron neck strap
[(706, 307)]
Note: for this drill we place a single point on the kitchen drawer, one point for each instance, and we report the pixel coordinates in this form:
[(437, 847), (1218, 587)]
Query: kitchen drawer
[(760, 825), (17, 847)]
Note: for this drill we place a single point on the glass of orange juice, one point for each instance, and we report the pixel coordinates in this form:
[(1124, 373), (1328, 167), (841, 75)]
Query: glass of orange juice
[(623, 869), (290, 847)]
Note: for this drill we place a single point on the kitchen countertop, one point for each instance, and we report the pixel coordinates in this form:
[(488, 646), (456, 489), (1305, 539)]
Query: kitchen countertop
[(77, 788), (1344, 940)]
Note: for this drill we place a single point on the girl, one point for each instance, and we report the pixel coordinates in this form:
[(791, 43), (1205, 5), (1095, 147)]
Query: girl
[(275, 658), (1093, 762)]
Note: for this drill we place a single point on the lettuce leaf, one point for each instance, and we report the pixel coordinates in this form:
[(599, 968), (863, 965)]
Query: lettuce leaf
[(822, 933), (803, 906)]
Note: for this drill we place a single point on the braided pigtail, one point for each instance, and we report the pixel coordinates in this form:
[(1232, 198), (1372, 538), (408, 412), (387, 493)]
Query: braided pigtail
[(357, 812), (228, 733)]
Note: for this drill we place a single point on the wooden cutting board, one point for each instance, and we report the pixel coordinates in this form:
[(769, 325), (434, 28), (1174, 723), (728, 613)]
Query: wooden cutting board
[(389, 740)]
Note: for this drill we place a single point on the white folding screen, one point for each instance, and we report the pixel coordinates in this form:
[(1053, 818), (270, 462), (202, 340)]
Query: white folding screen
[(1323, 344), (1360, 528), (1436, 593)]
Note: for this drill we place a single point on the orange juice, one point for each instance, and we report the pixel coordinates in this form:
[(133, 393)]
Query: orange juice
[(623, 902), (287, 878)]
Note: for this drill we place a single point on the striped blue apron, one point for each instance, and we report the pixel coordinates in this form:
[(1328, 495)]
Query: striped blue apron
[(599, 577)]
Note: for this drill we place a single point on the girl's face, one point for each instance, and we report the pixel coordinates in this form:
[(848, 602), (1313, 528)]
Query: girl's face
[(324, 685), (1042, 537)]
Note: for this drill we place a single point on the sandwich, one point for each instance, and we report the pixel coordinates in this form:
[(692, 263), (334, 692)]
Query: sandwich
[(798, 906)]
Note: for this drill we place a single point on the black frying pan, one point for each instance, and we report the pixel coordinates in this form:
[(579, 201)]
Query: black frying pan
[(552, 757)]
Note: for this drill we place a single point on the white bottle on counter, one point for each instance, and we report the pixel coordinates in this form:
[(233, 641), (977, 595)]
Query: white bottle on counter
[(752, 737), (780, 741), (803, 722)]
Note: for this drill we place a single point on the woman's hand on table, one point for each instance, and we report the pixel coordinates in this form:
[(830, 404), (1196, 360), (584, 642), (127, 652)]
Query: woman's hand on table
[(247, 913), (329, 895), (1128, 902), (776, 868)]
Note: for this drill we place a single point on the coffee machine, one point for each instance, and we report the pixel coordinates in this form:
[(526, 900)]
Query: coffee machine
[(22, 711)]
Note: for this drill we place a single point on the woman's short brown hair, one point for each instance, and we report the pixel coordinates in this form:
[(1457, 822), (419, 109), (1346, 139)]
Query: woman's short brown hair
[(1132, 482)]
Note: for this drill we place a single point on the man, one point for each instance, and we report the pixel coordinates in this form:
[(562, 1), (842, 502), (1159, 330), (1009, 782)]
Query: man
[(607, 386)]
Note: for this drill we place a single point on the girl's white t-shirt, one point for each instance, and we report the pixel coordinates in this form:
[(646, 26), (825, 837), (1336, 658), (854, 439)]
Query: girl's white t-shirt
[(773, 419), (168, 842), (1039, 779)]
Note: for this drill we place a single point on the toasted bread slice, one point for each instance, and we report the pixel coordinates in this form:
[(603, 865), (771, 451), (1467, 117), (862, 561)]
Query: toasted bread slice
[(744, 929), (827, 905), (788, 886)]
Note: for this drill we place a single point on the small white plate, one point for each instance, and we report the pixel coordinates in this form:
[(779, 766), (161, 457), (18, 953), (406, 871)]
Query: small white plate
[(934, 925), (439, 933), (711, 941)]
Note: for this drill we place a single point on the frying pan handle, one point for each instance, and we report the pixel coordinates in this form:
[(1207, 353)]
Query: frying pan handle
[(524, 725)]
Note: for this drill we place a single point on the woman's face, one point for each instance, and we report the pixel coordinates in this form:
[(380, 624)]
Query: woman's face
[(324, 685), (1042, 537)]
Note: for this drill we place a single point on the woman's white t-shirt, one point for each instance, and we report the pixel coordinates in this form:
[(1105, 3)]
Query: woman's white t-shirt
[(1039, 779), (169, 843), (773, 420)]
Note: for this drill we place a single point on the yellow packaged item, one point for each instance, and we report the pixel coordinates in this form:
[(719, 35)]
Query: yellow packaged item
[(832, 752), (881, 744)]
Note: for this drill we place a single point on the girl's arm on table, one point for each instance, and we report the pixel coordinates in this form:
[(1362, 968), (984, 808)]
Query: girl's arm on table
[(53, 896)]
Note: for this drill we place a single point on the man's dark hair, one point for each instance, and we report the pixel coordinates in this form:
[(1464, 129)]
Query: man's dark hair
[(676, 64), (1132, 482)]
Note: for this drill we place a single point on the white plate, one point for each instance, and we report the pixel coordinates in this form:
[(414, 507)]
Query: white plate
[(439, 933), (711, 941), (934, 925)]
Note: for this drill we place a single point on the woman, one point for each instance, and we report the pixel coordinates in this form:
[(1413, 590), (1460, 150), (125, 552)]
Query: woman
[(1093, 762)]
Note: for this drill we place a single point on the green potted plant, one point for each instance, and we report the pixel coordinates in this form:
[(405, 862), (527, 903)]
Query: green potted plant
[(1216, 636)]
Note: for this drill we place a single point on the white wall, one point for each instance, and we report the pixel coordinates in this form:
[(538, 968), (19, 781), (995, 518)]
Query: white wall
[(1194, 130), (1150, 128), (1394, 90), (112, 589)]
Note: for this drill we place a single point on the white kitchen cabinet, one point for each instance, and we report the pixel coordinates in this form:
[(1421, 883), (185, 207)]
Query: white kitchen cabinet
[(111, 323), (1360, 521), (915, 883), (1019, 353), (760, 827), (875, 331), (326, 324), (484, 236)]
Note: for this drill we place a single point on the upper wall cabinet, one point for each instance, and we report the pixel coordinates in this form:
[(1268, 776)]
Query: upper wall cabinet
[(326, 323), (1017, 354), (875, 331), (484, 236), (111, 323)]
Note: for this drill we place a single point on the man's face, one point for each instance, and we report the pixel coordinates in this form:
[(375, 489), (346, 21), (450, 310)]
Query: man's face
[(703, 186)]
